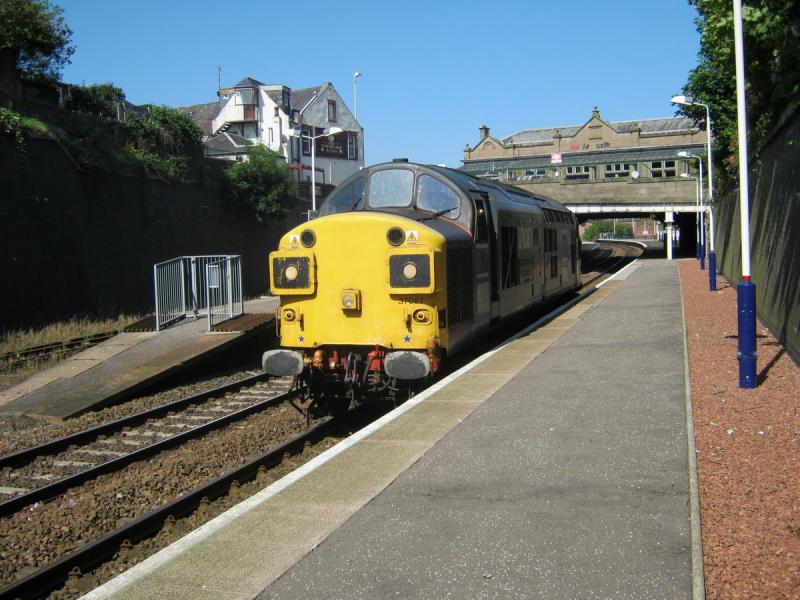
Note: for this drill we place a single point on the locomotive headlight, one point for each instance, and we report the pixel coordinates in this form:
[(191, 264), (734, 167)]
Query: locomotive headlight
[(350, 299), (409, 270), (289, 315), (291, 273), (422, 316), (308, 238)]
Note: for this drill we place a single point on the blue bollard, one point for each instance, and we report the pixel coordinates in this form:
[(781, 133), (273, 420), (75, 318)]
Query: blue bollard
[(712, 271), (702, 257), (746, 304), (697, 251)]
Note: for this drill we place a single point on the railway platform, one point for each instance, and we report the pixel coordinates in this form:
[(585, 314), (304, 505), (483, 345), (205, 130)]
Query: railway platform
[(125, 364), (556, 466)]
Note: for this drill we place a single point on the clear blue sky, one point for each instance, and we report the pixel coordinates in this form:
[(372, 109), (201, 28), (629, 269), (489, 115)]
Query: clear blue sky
[(433, 71)]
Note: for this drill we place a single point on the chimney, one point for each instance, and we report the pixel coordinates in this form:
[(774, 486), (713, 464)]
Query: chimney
[(596, 113), (484, 132)]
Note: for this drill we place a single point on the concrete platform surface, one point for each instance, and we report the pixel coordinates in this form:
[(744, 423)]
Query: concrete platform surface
[(118, 367), (555, 467)]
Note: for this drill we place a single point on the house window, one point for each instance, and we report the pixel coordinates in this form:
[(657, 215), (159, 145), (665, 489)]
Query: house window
[(578, 172), (662, 168), (618, 170), (271, 136), (246, 97), (352, 145), (332, 111), (306, 139)]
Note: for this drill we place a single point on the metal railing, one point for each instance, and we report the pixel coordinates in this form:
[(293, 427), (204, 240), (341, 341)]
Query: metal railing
[(224, 290), (181, 286)]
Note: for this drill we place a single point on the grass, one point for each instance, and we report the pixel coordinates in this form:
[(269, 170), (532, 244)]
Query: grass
[(19, 340)]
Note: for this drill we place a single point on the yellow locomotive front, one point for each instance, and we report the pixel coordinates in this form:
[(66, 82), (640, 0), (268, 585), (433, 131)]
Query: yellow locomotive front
[(360, 300)]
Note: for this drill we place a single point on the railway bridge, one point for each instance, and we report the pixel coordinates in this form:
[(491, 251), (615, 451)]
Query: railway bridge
[(648, 169)]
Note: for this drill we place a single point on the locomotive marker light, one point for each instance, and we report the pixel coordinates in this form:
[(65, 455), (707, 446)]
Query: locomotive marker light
[(746, 290), (291, 273), (701, 229), (712, 257), (329, 132)]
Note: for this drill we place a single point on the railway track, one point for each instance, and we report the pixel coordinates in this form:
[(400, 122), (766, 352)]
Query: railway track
[(608, 258), (42, 472), (88, 556), (20, 357)]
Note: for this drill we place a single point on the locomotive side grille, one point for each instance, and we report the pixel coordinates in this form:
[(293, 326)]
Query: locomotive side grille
[(459, 285)]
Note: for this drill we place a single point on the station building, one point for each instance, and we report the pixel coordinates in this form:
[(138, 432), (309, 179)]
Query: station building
[(253, 112), (601, 169)]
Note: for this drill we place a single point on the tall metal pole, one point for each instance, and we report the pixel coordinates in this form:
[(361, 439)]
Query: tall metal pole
[(702, 218), (746, 290), (313, 176), (712, 256)]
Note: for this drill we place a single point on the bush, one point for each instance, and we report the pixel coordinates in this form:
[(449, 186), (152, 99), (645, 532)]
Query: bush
[(263, 184), (16, 127), (100, 99)]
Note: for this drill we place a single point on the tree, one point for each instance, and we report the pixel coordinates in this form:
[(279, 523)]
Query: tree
[(100, 99), (772, 53), (263, 184), (34, 32), (622, 229)]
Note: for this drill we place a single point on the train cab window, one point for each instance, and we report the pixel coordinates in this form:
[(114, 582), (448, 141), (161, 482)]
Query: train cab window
[(391, 187), (481, 223), (344, 199), (435, 196)]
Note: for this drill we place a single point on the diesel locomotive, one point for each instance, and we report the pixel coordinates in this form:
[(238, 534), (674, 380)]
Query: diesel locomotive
[(406, 265)]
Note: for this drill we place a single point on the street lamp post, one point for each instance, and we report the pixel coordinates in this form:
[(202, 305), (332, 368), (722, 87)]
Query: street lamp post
[(331, 131), (712, 257), (746, 290), (356, 75), (701, 229)]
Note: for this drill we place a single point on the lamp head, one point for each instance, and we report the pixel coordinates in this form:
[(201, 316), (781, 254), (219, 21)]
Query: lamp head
[(682, 100), (685, 154), (333, 130), (356, 75)]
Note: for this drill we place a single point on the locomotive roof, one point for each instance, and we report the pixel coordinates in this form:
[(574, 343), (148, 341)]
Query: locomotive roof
[(467, 182)]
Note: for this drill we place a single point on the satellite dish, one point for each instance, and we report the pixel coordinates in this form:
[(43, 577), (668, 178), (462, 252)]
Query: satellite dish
[(635, 174)]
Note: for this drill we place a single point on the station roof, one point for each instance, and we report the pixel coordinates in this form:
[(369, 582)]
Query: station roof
[(661, 126)]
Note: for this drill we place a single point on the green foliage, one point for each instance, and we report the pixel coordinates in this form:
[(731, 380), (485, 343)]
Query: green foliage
[(772, 53), (164, 141), (263, 184), (16, 127), (622, 229), (100, 99), (35, 32), (162, 131)]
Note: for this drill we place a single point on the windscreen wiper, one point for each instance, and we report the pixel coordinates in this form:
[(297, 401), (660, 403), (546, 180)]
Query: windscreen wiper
[(437, 214)]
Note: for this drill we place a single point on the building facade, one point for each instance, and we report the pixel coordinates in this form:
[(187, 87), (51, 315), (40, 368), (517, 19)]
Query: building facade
[(599, 166), (252, 112)]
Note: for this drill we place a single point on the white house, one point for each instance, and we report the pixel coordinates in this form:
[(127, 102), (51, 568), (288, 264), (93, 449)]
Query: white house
[(270, 114)]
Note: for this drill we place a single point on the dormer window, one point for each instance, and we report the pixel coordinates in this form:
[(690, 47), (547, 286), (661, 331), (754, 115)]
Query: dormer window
[(332, 111), (245, 96)]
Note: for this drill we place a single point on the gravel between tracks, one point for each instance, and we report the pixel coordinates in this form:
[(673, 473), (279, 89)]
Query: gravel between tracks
[(21, 432), (748, 450), (44, 532)]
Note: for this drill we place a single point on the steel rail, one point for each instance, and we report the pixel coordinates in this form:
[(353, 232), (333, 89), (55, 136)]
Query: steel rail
[(56, 488), (26, 455), (93, 553), (21, 356)]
